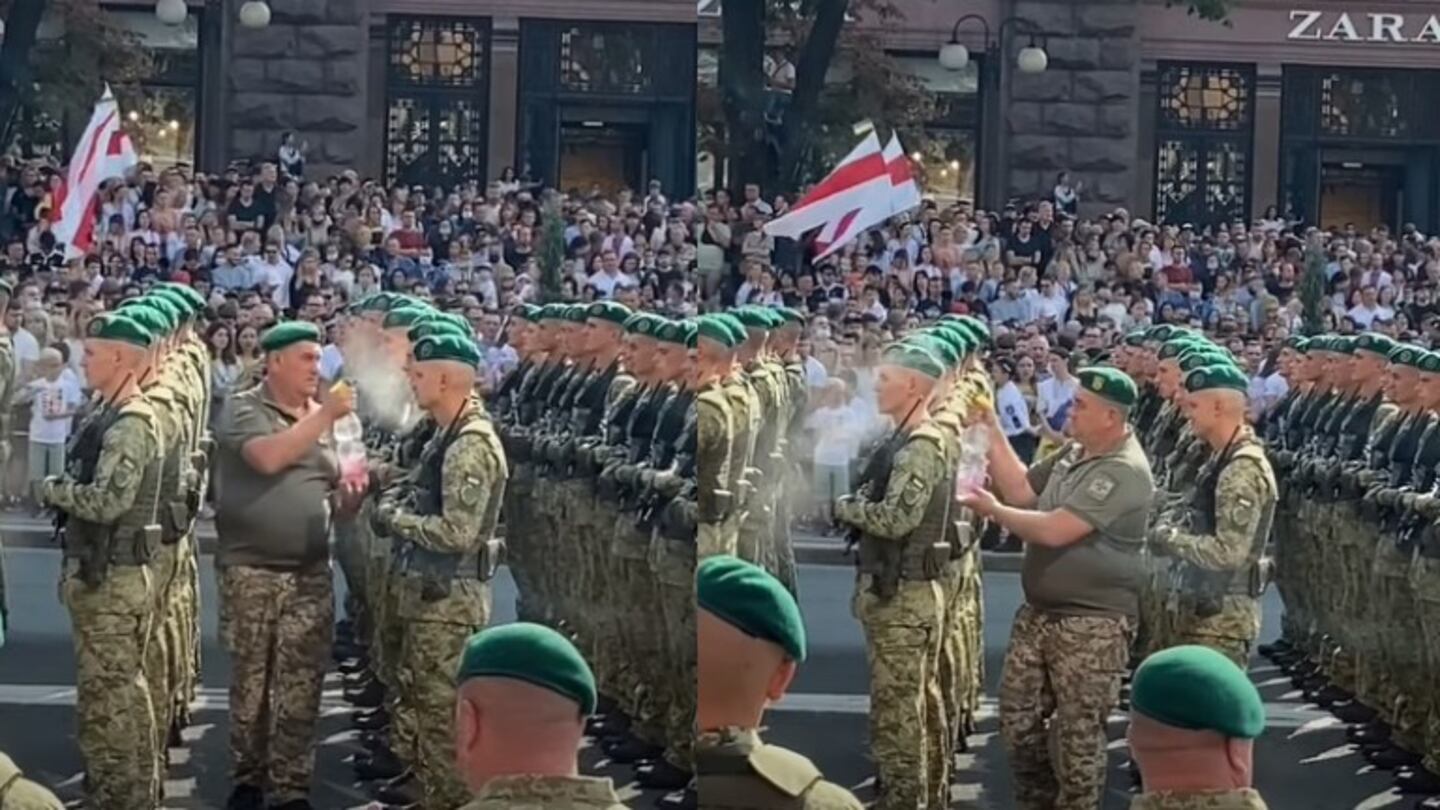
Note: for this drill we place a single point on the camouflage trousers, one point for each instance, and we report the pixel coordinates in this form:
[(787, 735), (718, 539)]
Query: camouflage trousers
[(910, 740), (164, 654), (277, 627), (114, 717), (1424, 582), (520, 553), (1393, 679), (350, 554), (1061, 680), (673, 564), (962, 655), (1153, 631), (1352, 543), (1282, 532), (191, 634), (434, 638)]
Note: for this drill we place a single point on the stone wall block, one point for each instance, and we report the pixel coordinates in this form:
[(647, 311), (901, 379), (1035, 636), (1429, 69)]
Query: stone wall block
[(1052, 85), (1038, 152), (1105, 86), (1050, 17), (343, 12), (1107, 190), (1073, 54), (261, 111), (1115, 120), (1026, 118), (246, 74), (336, 150), (1101, 155), (300, 12), (1096, 19), (298, 75), (274, 40), (341, 77), (326, 114), (1028, 184), (328, 40), (1070, 119), (253, 144), (1119, 53)]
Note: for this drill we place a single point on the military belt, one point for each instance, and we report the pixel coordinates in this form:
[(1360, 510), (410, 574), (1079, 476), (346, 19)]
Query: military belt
[(444, 564)]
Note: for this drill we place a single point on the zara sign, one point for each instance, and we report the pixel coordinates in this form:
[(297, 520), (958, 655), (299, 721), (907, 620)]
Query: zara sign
[(1370, 27)]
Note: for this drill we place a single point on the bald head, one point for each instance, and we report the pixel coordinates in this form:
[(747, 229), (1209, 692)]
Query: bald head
[(1185, 760), (737, 674), (505, 727)]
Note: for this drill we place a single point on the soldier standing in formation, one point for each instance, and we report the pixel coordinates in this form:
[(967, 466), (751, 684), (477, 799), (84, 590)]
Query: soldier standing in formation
[(750, 639), (599, 420), (7, 395)]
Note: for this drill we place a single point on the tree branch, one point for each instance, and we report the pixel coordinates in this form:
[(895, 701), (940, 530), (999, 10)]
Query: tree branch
[(810, 70)]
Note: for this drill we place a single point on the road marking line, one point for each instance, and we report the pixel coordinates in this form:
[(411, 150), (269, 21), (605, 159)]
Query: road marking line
[(206, 699)]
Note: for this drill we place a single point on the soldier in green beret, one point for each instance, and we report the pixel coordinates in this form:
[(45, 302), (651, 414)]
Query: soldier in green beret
[(720, 435), (746, 421), (1420, 509), (1194, 716), (1216, 546), (112, 532), (750, 640), (1082, 513), (444, 523), (899, 510), (524, 693), (767, 379)]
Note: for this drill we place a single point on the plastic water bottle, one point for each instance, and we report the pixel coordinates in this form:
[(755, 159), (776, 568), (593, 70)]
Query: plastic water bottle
[(974, 460), (350, 448)]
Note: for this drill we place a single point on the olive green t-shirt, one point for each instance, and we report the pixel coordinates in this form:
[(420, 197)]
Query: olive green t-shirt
[(1102, 573), (279, 521)]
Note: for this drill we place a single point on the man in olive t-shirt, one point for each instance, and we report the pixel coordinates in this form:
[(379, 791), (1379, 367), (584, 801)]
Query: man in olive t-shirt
[(1082, 514)]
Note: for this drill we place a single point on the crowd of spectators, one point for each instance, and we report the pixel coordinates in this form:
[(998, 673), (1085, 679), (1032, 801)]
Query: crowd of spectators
[(266, 243)]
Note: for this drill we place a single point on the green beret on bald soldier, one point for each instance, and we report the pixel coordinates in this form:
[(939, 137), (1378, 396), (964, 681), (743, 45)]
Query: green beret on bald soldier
[(154, 321), (937, 346), (1174, 347), (447, 347), (186, 293), (406, 317), (1196, 688), (1110, 384), (790, 316), (527, 312), (183, 309), (119, 327), (531, 653), (676, 332), (1135, 338), (914, 358), (1374, 344), (643, 324), (553, 312), (287, 334), (426, 329), (1405, 355), (1210, 378), (608, 311), (1429, 363), (1190, 362), (751, 317), (752, 601), (710, 327)]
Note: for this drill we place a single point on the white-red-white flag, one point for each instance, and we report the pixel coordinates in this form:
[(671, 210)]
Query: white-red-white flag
[(103, 153), (868, 187)]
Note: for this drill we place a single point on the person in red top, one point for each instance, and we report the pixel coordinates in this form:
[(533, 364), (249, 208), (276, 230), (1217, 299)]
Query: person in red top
[(410, 236), (1178, 272)]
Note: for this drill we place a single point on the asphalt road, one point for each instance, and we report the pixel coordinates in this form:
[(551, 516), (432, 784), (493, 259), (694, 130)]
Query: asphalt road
[(1302, 761)]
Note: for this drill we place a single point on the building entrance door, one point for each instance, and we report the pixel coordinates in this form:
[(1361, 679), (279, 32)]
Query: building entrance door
[(603, 154), (1362, 188)]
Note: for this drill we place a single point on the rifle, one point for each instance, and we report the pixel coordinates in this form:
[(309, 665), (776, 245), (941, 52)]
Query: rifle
[(877, 472)]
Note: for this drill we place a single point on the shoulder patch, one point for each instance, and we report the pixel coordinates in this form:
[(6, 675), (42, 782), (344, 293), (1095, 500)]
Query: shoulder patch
[(789, 772), (1100, 487)]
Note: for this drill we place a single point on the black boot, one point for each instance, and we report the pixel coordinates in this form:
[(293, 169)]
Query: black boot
[(1418, 780), (607, 725), (382, 764), (399, 793), (1391, 757), (1353, 711), (245, 797), (1368, 733), (372, 720), (372, 696), (686, 799), (627, 749), (661, 775)]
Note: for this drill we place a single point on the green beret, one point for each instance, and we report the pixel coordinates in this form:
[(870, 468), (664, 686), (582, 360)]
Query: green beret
[(751, 317), (643, 324), (185, 293), (175, 313), (553, 312), (455, 319), (381, 302), (689, 333), (934, 344), (978, 329), (140, 311), (527, 312), (1343, 345), (956, 339), (531, 653), (608, 311), (1429, 363), (452, 347), (711, 327), (1161, 333), (1405, 355), (1174, 347), (283, 335), (121, 327), (1197, 688), (748, 598), (577, 313), (1191, 361), (1135, 337), (733, 324), (184, 310), (791, 316), (1207, 378), (1296, 342), (1375, 344), (406, 317), (673, 332), (426, 329), (1110, 384), (915, 358)]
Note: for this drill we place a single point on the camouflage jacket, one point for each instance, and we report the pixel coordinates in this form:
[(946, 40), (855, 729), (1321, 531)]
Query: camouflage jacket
[(19, 793), (546, 793), (1247, 799), (736, 771)]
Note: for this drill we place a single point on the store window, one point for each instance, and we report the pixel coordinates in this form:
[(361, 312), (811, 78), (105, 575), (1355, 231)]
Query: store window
[(438, 77), (605, 58), (1204, 128), (946, 149)]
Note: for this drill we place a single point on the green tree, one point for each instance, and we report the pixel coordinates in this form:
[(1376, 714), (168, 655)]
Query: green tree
[(551, 257), (45, 83), (1312, 286)]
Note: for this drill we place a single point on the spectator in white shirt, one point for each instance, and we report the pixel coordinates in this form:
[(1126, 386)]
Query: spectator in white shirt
[(1051, 302), (271, 270), (1013, 411), (54, 397), (835, 425), (1369, 309), (609, 276), (1055, 395)]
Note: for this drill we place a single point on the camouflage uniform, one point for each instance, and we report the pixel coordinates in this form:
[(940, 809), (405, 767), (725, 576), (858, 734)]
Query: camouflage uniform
[(111, 599), (19, 793), (900, 603), (1245, 799), (1237, 495), (745, 416), (755, 540), (546, 793), (715, 471), (446, 558), (736, 771)]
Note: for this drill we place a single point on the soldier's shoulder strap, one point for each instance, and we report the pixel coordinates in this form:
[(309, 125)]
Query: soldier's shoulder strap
[(713, 396), (929, 432), (786, 771), (9, 773), (140, 407)]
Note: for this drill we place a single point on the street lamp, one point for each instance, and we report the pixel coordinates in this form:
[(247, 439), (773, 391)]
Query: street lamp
[(171, 12), (255, 14), (1031, 59)]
